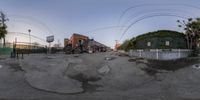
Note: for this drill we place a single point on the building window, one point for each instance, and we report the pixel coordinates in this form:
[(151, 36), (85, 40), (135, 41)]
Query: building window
[(167, 43), (148, 44)]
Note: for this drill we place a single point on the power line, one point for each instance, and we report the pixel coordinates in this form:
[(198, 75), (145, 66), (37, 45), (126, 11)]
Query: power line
[(105, 28), (135, 15), (145, 5), (33, 20), (149, 16)]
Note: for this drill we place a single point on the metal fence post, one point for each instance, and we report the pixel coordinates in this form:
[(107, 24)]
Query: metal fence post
[(179, 53), (157, 54), (22, 56), (140, 53)]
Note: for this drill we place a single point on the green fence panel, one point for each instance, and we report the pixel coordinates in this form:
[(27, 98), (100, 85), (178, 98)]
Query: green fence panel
[(198, 50), (5, 50)]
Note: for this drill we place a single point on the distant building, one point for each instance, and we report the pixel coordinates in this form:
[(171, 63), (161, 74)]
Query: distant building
[(66, 42), (95, 46), (81, 41), (117, 45), (24, 45)]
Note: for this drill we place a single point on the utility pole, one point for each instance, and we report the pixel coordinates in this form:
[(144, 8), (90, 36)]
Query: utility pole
[(3, 19), (116, 45), (58, 43), (29, 31)]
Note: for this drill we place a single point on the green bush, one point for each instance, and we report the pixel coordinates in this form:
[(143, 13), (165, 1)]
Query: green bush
[(128, 44), (177, 41), (159, 34)]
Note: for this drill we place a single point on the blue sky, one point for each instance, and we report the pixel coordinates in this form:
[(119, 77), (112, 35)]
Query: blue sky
[(98, 19)]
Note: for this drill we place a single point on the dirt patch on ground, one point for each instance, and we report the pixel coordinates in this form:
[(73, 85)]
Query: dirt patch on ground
[(132, 60), (172, 65), (15, 67), (110, 58), (123, 54), (87, 87), (164, 66), (150, 71)]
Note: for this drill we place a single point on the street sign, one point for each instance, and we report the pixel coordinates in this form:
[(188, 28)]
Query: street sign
[(50, 39)]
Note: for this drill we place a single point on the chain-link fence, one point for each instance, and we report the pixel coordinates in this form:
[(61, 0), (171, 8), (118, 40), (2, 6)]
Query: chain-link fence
[(7, 49), (21, 48)]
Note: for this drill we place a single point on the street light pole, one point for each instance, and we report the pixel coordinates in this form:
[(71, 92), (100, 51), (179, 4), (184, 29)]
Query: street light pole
[(29, 31)]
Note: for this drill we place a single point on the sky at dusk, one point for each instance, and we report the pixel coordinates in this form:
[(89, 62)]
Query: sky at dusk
[(103, 20)]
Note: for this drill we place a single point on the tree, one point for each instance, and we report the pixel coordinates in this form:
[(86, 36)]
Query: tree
[(192, 31), (124, 45), (2, 32), (128, 44), (3, 26)]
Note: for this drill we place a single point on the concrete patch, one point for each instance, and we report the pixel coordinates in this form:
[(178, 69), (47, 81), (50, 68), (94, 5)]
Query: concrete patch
[(48, 75), (196, 66), (110, 58), (53, 83), (104, 70)]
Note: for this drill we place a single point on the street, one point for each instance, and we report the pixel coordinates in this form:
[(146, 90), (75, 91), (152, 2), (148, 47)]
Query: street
[(99, 76)]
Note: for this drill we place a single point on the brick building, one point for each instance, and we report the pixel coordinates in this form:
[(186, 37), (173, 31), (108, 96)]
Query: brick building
[(76, 39)]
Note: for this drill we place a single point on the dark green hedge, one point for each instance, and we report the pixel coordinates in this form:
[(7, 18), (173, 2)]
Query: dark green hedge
[(158, 38), (160, 33)]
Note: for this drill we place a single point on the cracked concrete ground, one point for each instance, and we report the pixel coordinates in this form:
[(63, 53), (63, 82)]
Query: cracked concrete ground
[(121, 79)]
